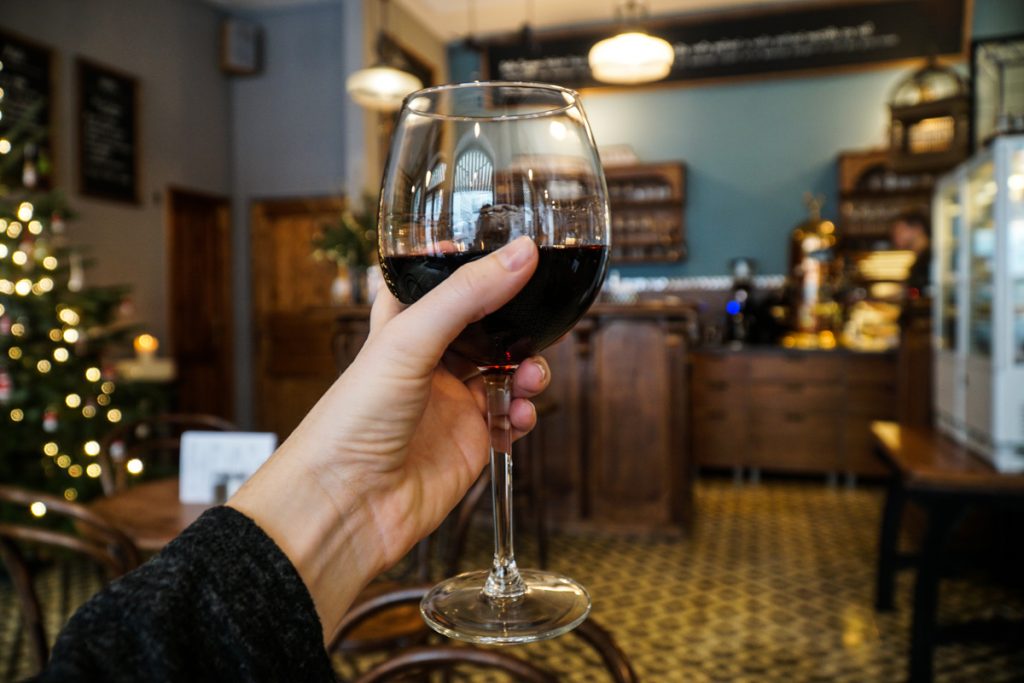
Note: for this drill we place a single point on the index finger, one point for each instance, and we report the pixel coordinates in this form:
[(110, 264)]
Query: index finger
[(385, 307)]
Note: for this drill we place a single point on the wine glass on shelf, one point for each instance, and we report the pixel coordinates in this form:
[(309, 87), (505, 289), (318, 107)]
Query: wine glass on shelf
[(472, 167)]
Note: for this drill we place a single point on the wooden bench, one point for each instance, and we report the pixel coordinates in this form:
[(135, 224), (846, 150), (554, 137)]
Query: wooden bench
[(944, 479)]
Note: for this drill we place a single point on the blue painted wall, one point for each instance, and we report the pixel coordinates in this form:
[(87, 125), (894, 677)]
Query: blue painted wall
[(753, 148)]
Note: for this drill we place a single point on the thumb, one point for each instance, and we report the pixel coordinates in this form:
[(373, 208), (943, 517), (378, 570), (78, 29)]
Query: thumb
[(419, 335)]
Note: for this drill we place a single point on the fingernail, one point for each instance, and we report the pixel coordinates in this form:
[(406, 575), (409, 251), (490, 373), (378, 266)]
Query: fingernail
[(516, 253), (541, 366)]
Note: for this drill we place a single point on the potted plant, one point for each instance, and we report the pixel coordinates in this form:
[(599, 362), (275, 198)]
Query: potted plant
[(351, 243)]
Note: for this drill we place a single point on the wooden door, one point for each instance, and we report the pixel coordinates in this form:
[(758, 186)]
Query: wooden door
[(200, 300), (294, 322)]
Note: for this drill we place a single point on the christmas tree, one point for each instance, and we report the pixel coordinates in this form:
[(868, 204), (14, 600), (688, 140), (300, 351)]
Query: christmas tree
[(57, 390)]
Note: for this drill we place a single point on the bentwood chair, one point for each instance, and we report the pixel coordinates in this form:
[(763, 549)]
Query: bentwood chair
[(593, 634), (445, 657), (99, 542), (155, 441)]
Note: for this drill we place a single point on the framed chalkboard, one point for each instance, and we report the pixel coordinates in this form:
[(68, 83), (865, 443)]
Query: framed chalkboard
[(797, 38), (108, 133), (26, 114)]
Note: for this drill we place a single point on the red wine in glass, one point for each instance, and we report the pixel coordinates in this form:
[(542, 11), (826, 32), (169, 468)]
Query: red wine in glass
[(560, 291)]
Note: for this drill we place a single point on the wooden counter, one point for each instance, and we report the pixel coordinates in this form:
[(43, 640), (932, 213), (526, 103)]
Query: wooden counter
[(616, 453), (616, 448), (799, 411)]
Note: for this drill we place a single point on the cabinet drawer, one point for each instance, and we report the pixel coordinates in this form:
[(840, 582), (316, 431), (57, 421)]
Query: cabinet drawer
[(711, 367), (797, 367), (720, 394), (795, 425), (720, 438), (796, 455), (796, 396), (870, 370), (876, 401)]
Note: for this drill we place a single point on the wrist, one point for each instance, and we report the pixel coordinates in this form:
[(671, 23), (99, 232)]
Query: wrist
[(327, 535)]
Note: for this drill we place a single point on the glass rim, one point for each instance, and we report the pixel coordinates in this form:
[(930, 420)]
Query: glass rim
[(492, 85)]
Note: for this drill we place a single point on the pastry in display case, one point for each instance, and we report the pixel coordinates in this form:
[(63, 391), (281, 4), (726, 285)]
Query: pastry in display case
[(978, 308)]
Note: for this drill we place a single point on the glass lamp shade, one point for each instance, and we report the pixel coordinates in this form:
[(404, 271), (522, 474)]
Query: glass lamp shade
[(381, 87), (632, 57)]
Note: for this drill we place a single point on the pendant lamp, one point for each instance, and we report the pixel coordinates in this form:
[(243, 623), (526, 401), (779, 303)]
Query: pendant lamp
[(385, 84), (632, 56)]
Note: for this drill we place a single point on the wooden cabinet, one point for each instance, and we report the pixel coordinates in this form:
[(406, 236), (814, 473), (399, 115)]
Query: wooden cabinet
[(790, 410)]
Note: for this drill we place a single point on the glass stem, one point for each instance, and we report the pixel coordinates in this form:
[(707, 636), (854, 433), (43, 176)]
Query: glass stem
[(504, 581)]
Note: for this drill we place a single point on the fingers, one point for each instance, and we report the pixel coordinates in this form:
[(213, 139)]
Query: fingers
[(523, 416), (417, 337), (532, 377), (385, 307)]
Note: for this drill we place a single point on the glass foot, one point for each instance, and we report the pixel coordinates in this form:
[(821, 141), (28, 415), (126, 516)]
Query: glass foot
[(552, 605)]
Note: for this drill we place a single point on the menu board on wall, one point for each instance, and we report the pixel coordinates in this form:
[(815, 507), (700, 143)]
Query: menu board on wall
[(834, 35), (107, 133), (26, 111)]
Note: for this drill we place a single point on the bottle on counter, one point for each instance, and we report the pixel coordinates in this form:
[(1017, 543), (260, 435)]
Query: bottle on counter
[(738, 307)]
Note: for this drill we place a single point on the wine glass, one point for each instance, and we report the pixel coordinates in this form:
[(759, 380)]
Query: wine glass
[(472, 167)]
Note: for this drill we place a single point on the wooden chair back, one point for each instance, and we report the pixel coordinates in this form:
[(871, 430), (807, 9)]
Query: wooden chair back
[(98, 540), (600, 640), (444, 657), (156, 441)]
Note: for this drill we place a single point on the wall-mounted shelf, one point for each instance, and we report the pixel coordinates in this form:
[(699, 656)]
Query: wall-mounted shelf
[(647, 204), (871, 195)]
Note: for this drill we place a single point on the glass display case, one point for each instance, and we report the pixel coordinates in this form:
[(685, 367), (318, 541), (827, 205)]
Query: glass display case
[(979, 302), (947, 218)]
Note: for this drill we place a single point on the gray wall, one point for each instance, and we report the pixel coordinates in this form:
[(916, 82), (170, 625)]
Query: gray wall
[(292, 126), (171, 46)]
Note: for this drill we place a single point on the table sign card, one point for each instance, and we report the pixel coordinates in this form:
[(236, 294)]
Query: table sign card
[(215, 464)]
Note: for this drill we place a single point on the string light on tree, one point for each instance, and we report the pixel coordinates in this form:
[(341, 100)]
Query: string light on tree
[(56, 335)]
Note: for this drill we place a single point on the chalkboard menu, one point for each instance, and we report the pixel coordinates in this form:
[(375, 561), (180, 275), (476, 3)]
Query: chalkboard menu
[(834, 35), (107, 133), (26, 110)]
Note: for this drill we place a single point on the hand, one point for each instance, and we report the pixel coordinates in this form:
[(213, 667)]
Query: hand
[(395, 443)]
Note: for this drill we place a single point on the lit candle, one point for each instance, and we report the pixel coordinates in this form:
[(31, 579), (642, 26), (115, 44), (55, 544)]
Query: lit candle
[(146, 346)]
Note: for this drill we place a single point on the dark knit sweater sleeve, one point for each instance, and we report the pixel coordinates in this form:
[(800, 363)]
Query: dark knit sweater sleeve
[(219, 603)]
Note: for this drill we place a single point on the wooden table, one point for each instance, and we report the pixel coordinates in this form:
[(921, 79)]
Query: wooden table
[(149, 513), (944, 479)]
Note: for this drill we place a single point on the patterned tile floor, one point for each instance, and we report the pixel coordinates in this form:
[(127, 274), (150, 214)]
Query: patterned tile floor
[(775, 584)]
